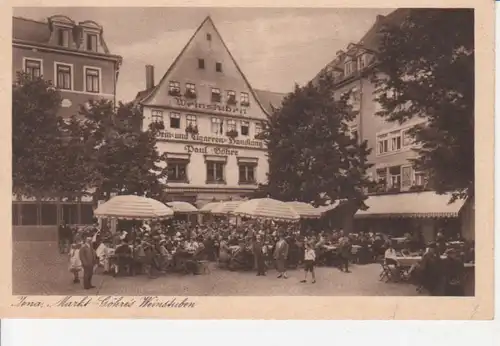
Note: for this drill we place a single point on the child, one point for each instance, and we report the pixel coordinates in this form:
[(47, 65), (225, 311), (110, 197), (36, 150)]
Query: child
[(309, 258), (75, 264)]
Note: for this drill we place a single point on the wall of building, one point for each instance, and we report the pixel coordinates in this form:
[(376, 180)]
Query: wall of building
[(77, 96)]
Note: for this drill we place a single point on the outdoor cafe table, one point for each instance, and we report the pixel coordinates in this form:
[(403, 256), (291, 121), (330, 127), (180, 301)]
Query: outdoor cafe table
[(411, 260)]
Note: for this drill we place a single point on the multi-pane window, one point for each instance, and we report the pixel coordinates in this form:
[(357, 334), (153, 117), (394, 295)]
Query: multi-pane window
[(244, 100), (361, 61), (63, 37), (246, 173), (175, 120), (216, 95), (174, 88), (217, 126), (209, 37), (395, 141), (245, 128), (218, 67), (382, 176), (258, 128), (349, 67), (420, 178), (191, 120), (33, 68), (92, 80), (382, 144), (156, 116), (395, 176), (201, 64), (406, 177), (176, 170), (231, 97), (407, 139), (231, 125), (92, 42), (215, 172), (63, 73), (190, 90)]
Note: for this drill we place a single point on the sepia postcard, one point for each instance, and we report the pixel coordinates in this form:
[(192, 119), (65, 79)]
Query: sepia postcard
[(248, 161)]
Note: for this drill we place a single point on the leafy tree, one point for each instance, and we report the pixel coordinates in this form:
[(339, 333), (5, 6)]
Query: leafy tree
[(126, 158), (426, 70), (312, 157), (36, 137)]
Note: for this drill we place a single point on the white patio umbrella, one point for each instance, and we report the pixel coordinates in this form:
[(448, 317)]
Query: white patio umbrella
[(131, 207), (207, 208), (182, 207), (225, 208), (305, 210), (267, 208)]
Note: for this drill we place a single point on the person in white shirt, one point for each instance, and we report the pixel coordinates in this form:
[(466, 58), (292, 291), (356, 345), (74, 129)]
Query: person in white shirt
[(309, 259), (390, 253)]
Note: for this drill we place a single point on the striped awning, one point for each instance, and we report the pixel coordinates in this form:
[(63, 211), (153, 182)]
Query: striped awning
[(182, 207), (426, 204), (305, 210), (328, 207), (130, 207), (207, 208), (226, 208), (267, 209)]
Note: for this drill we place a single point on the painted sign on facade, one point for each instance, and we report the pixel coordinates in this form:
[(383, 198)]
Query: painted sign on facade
[(246, 143), (211, 107)]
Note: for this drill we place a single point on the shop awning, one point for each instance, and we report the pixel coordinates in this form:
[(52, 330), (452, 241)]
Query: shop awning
[(207, 208), (426, 204)]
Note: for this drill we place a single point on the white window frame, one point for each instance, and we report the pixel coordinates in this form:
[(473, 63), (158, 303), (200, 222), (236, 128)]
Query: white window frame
[(176, 88), (66, 29), (248, 167), (258, 128), (361, 61), (174, 115), (348, 67), (25, 59), (231, 125), (247, 124), (405, 188), (87, 33), (212, 164), (190, 121), (57, 63), (219, 122), (400, 175), (244, 98), (85, 68), (155, 114)]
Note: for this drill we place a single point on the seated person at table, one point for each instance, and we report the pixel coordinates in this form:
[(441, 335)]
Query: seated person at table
[(139, 256), (453, 270), (224, 251), (123, 255), (430, 270), (192, 264)]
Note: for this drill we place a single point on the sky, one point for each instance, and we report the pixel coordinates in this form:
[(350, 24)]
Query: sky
[(274, 47)]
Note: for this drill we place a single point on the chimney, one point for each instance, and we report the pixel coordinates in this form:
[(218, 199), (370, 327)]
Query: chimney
[(150, 76)]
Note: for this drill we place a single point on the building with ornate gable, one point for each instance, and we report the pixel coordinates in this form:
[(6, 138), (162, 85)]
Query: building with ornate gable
[(211, 117)]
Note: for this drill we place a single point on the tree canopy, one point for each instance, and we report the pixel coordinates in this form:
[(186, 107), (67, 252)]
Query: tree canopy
[(312, 156), (426, 70), (102, 147)]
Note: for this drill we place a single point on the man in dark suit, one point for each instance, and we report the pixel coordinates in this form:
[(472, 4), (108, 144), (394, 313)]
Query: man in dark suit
[(280, 255), (260, 261), (88, 257)]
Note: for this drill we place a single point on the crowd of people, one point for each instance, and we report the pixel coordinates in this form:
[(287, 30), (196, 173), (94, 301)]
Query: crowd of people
[(157, 248)]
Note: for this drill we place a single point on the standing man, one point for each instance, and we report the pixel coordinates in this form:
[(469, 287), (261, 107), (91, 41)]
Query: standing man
[(62, 236), (258, 253), (280, 255), (345, 251), (88, 257)]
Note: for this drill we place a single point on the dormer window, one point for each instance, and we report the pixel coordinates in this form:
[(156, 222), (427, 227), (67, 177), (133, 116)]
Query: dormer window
[(92, 42), (348, 67), (361, 61), (63, 37)]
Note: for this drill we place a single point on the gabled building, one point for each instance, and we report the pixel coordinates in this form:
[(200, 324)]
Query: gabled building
[(396, 204), (75, 57), (211, 118)]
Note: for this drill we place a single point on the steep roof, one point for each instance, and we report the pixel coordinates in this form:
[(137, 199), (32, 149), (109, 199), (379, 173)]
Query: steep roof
[(30, 30), (372, 39), (148, 95), (269, 99)]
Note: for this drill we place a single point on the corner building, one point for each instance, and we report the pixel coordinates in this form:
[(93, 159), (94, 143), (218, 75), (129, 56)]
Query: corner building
[(75, 57), (211, 118)]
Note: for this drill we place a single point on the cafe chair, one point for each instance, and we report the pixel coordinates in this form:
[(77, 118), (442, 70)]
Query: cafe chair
[(386, 273)]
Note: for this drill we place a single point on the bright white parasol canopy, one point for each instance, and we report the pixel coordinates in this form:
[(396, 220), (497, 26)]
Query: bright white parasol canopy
[(131, 207), (225, 208), (267, 208), (305, 210), (207, 208), (182, 207)]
